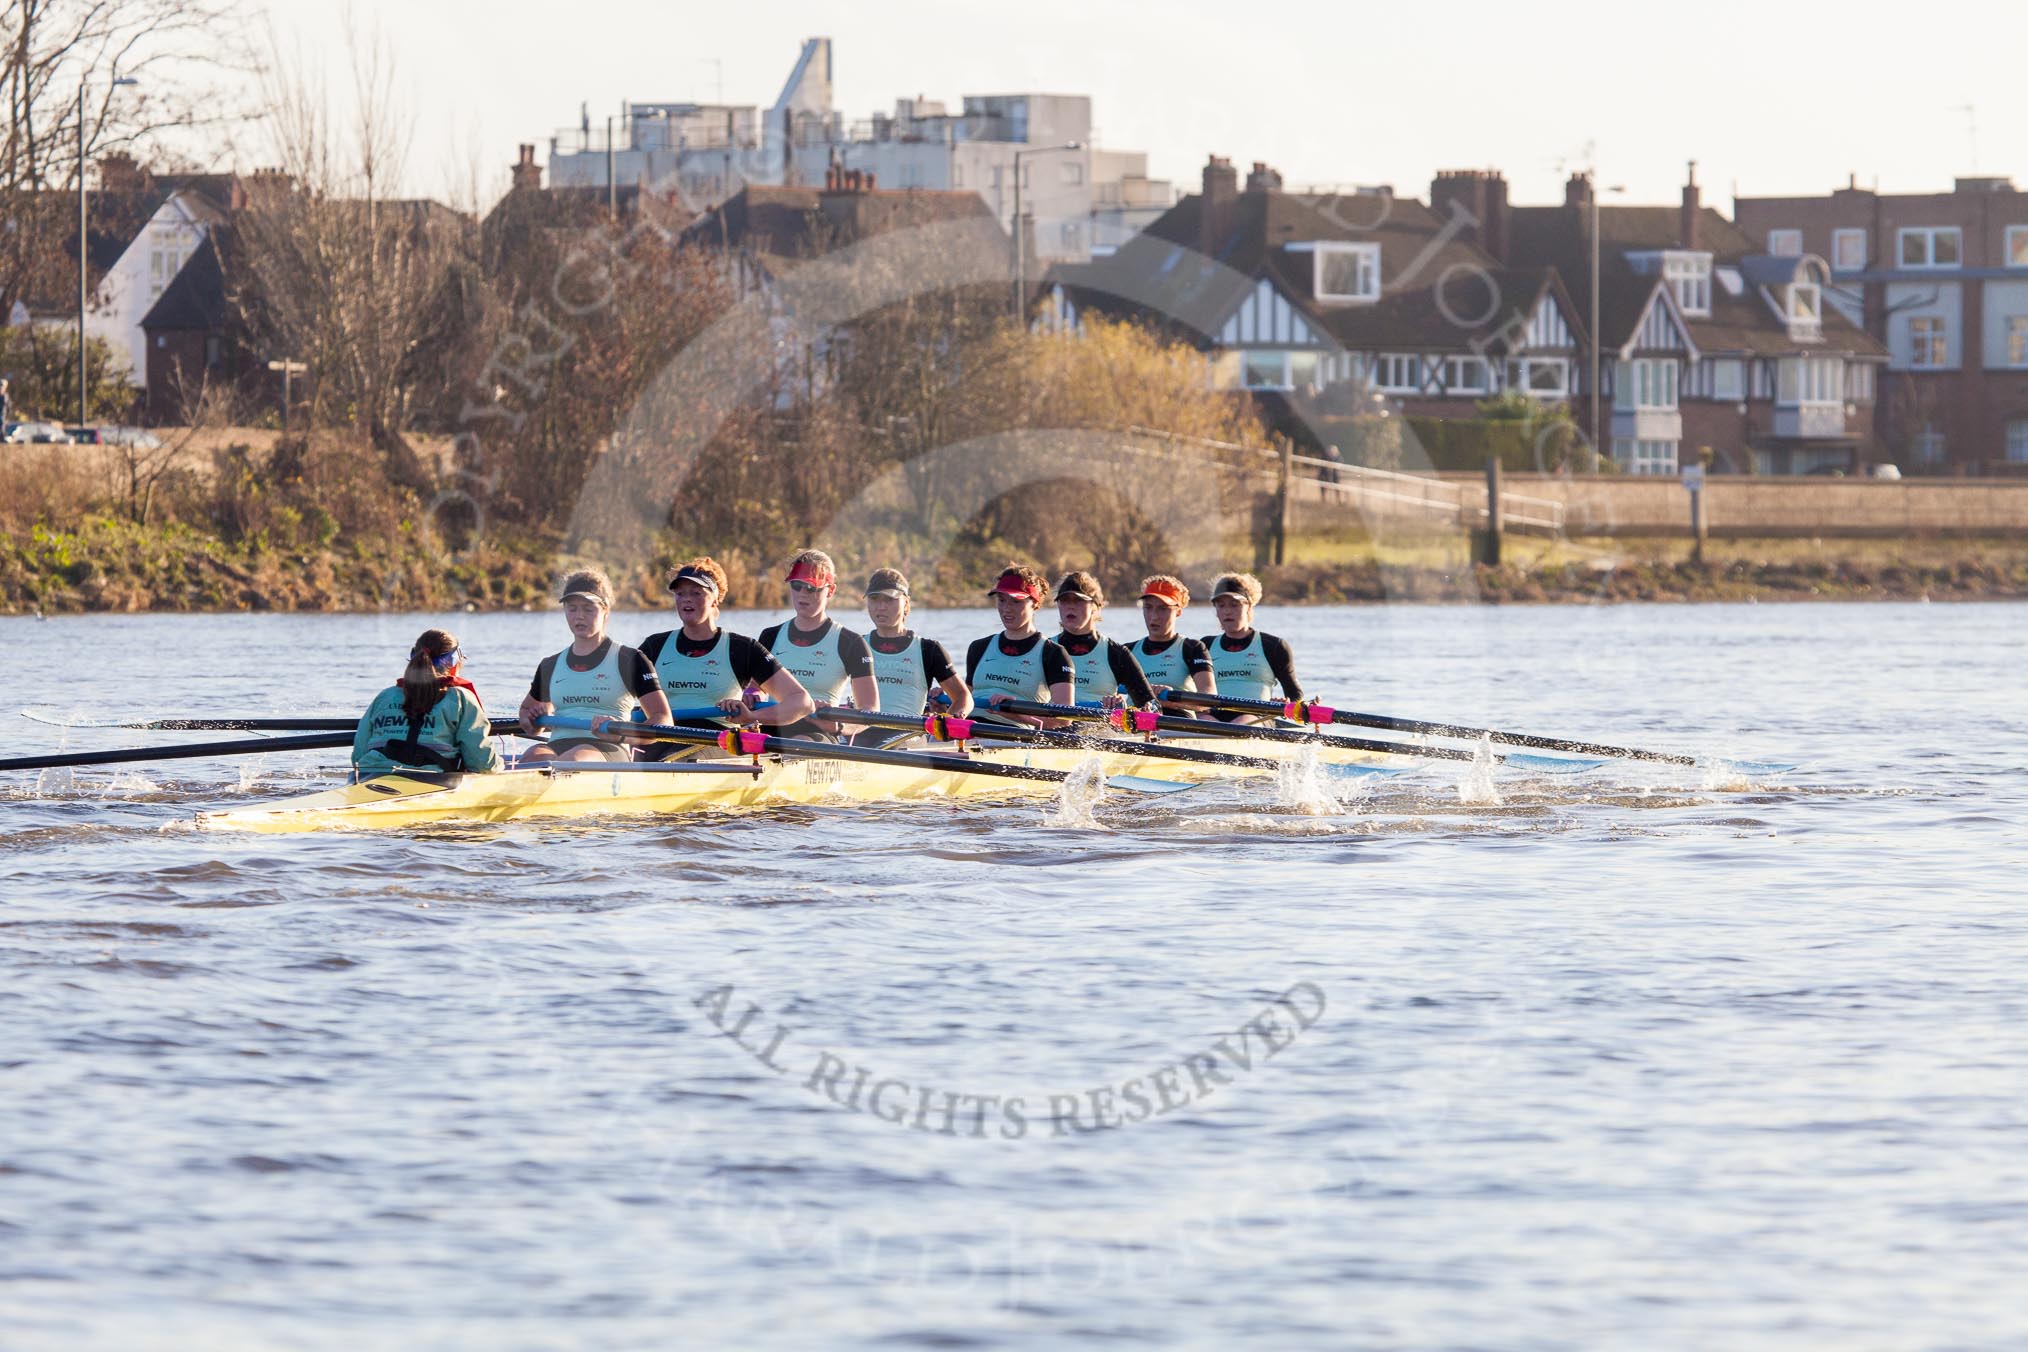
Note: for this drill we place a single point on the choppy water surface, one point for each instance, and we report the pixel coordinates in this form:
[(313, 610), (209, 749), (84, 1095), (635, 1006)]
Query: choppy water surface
[(1647, 1057)]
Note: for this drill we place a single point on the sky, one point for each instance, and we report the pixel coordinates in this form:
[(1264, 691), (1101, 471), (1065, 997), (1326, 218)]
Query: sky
[(1765, 102)]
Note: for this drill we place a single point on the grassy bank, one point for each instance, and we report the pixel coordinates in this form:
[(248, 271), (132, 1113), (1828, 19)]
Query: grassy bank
[(299, 563), (105, 564)]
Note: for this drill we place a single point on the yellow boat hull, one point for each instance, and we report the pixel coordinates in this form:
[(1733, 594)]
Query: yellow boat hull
[(396, 801)]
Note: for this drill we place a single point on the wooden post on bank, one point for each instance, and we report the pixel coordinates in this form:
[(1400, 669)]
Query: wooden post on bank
[(1491, 553)]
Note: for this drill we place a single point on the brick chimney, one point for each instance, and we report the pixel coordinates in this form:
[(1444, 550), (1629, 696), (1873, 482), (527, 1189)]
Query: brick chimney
[(527, 173), (119, 173), (1686, 229), (1577, 192), (1263, 179), (1214, 210), (1483, 194)]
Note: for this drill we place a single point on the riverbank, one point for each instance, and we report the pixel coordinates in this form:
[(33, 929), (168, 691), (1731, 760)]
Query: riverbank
[(112, 566)]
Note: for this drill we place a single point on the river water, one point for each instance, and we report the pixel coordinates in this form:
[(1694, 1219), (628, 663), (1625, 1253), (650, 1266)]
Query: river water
[(1646, 1056)]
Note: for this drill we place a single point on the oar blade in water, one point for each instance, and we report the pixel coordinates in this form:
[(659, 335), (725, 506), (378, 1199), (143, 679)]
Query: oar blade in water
[(1145, 784)]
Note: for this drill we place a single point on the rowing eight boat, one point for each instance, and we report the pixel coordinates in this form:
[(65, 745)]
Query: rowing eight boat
[(594, 788)]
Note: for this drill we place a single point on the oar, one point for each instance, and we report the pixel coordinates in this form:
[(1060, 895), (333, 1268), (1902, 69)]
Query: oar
[(742, 742), (943, 728), (262, 723), (193, 751), (1140, 720), (1305, 711)]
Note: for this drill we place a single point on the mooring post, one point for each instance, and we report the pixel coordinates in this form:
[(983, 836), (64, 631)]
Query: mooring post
[(1285, 492), (1491, 555)]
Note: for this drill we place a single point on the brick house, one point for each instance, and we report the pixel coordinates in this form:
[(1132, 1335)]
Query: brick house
[(1706, 340), (1942, 280), (1301, 296)]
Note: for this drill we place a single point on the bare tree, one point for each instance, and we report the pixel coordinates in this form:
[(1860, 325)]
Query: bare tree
[(58, 60), (335, 270)]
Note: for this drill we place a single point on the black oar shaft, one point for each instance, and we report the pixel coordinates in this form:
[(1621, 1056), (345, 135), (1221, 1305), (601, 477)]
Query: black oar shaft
[(1165, 723), (1390, 723), (768, 744), (193, 751), (1069, 741)]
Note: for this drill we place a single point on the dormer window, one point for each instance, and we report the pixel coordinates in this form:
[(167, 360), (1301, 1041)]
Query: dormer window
[(1345, 273), (1689, 276), (1805, 310)]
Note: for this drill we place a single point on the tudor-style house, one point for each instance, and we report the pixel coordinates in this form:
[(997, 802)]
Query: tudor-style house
[(1294, 294), (1942, 280), (1708, 342)]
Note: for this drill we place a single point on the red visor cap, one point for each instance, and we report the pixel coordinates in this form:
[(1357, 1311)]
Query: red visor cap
[(812, 573), (1010, 584)]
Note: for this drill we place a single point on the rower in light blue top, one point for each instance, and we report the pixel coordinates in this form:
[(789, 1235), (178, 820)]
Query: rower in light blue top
[(1246, 663), (1171, 661), (593, 678)]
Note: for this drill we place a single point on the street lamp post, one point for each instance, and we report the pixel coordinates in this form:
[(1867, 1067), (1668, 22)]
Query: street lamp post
[(83, 381), (1020, 231), (1592, 176)]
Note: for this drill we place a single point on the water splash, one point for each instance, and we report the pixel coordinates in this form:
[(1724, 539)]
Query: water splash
[(1475, 785), (55, 782), (1302, 785), (1078, 798), (127, 783)]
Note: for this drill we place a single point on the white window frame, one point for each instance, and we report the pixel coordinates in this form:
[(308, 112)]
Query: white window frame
[(1368, 272), (1557, 367), (1647, 383), (1929, 343), (1249, 357), (1859, 382), (2017, 441), (1646, 457), (1785, 243), (1455, 369), (1387, 372), (2017, 247), (1838, 241), (1929, 235), (2017, 342), (1810, 381), (1689, 277), (1805, 309), (1728, 391)]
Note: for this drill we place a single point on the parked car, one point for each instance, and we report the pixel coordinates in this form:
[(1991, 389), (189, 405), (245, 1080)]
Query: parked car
[(1887, 471), (37, 434), (138, 437)]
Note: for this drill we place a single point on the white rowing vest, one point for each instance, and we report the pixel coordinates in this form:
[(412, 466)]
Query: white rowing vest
[(587, 694), (904, 685), (1091, 674), (1244, 674), (818, 667), (1165, 669), (694, 682), (1001, 673)]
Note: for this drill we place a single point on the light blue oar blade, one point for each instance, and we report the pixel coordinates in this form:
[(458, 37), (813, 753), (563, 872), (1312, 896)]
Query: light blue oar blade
[(1364, 770), (1754, 768), (1144, 784), (1550, 765)]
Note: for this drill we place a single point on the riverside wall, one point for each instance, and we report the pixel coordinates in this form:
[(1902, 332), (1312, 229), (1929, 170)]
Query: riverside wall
[(1735, 507)]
